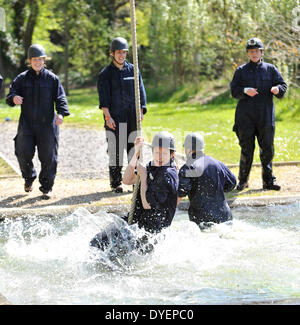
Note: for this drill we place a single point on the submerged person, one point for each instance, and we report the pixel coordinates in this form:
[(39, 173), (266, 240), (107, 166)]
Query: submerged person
[(204, 180), (157, 193), (37, 90), (117, 101), (255, 84)]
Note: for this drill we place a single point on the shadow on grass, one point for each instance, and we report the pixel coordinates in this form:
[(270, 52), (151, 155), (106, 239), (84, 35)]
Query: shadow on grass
[(235, 193), (10, 202)]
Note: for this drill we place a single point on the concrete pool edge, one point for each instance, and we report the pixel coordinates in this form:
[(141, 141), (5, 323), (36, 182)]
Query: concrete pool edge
[(120, 208)]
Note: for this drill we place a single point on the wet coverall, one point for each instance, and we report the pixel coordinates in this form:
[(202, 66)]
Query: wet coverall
[(161, 194), (37, 122), (204, 180), (116, 92), (255, 116)]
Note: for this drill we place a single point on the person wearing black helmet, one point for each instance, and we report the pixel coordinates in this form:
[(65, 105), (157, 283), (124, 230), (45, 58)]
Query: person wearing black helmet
[(38, 90), (255, 84), (117, 102), (204, 180), (157, 194)]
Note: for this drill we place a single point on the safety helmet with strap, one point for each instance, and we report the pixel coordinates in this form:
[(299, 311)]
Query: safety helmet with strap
[(254, 43), (35, 51), (119, 43), (194, 142)]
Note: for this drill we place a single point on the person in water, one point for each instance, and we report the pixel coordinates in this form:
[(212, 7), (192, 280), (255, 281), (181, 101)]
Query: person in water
[(157, 193), (204, 180)]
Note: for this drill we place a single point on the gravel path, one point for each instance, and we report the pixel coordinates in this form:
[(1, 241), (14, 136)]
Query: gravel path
[(81, 154)]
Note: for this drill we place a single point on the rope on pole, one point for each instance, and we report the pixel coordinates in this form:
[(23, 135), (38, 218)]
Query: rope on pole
[(137, 101)]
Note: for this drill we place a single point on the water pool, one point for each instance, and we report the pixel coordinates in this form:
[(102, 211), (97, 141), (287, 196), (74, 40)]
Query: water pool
[(257, 258)]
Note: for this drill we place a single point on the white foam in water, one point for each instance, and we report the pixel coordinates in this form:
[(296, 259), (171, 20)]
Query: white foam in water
[(49, 261)]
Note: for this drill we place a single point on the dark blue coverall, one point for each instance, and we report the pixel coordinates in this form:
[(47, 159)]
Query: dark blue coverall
[(1, 80), (116, 92), (37, 122), (204, 180), (161, 194), (255, 116)]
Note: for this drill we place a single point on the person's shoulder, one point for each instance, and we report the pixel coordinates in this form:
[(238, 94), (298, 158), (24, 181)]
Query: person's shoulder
[(171, 171), (212, 161), (49, 74), (128, 66), (242, 66), (22, 75), (105, 71), (269, 66)]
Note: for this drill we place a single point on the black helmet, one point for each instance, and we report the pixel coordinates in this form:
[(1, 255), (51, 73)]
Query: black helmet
[(254, 43), (118, 43), (194, 142), (164, 139), (36, 50)]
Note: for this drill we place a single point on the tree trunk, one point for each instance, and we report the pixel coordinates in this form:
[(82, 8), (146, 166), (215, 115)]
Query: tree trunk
[(32, 19), (66, 54)]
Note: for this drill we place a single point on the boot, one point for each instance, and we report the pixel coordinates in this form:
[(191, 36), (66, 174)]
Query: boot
[(46, 195), (117, 189), (271, 186), (28, 185), (242, 185)]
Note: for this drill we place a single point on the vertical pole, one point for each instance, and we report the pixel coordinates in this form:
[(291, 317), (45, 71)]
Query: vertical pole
[(137, 101)]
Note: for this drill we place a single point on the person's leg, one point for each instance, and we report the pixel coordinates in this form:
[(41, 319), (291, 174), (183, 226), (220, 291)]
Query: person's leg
[(24, 151), (246, 137), (47, 145), (265, 140), (115, 154)]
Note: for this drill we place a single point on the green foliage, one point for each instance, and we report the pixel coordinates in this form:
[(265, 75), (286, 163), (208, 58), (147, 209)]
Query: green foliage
[(214, 120), (181, 42)]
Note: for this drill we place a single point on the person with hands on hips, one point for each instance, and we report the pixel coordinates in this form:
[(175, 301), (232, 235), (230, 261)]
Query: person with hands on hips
[(254, 84)]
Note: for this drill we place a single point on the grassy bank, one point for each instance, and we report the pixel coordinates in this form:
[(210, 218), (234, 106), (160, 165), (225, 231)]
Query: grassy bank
[(213, 119)]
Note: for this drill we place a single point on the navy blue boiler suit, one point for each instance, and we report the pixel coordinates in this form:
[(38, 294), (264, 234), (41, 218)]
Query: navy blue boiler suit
[(204, 180), (255, 116), (161, 194), (37, 122), (116, 92)]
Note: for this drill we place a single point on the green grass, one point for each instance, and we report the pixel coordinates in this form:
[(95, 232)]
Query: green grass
[(5, 169), (214, 120)]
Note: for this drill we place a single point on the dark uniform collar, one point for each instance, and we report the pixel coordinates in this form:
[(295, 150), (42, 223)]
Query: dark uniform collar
[(33, 73), (170, 164), (255, 64), (124, 66)]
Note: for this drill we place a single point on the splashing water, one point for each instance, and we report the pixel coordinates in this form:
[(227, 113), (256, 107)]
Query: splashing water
[(49, 261)]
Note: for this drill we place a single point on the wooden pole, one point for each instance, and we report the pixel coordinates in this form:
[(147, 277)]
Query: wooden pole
[(137, 101)]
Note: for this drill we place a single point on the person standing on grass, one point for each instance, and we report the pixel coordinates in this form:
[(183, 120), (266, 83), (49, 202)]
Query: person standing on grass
[(117, 101), (37, 90), (255, 84), (204, 180)]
